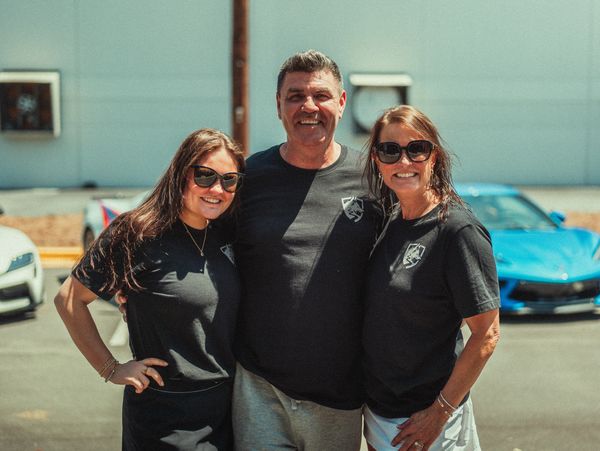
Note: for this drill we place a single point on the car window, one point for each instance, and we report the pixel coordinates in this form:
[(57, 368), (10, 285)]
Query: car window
[(508, 212)]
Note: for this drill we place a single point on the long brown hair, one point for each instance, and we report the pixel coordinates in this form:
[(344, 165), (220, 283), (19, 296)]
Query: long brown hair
[(441, 180), (158, 212)]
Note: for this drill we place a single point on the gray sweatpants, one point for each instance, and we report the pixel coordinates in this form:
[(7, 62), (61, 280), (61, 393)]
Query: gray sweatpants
[(266, 419)]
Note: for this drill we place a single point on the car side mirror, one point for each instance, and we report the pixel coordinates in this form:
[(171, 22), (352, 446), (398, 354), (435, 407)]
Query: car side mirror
[(558, 217)]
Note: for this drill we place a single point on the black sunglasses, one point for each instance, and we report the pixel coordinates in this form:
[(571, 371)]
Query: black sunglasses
[(206, 177), (416, 151)]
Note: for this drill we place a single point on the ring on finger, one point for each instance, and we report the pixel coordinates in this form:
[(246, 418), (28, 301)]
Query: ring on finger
[(418, 445)]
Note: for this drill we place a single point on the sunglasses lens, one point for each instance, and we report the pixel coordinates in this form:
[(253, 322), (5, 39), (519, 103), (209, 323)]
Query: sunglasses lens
[(204, 177), (388, 152), (231, 182), (419, 150)]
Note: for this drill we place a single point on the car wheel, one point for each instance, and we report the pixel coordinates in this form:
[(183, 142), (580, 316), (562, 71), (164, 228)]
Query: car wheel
[(88, 238)]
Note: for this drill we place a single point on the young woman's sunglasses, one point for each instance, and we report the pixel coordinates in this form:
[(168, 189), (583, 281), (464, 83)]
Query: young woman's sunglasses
[(416, 151), (206, 177)]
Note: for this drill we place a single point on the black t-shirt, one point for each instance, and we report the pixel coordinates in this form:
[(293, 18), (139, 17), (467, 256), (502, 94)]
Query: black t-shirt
[(303, 243), (186, 311), (425, 276)]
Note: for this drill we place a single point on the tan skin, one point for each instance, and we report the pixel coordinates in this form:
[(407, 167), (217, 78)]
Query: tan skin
[(73, 298), (310, 105), (410, 182)]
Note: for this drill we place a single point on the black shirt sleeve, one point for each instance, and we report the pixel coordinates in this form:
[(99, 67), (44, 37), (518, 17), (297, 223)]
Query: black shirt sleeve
[(471, 271), (92, 270)]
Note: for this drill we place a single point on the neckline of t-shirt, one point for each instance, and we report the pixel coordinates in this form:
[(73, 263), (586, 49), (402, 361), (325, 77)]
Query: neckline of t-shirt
[(317, 172), (192, 229), (425, 218)]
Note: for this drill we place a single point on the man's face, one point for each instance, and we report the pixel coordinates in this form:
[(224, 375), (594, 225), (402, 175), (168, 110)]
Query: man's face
[(310, 105)]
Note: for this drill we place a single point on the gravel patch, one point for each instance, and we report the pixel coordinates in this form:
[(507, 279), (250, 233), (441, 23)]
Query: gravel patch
[(65, 230)]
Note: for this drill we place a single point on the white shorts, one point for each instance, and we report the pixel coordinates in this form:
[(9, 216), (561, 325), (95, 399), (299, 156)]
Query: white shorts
[(459, 433)]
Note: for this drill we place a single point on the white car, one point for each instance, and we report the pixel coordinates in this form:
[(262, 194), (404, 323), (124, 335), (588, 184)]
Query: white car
[(21, 274), (100, 212)]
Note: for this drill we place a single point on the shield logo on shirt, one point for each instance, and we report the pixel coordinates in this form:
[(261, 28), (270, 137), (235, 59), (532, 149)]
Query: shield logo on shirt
[(353, 208), (413, 254), (228, 252)]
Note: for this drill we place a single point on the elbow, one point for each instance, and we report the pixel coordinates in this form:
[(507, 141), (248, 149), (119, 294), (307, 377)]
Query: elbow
[(60, 302), (491, 340)]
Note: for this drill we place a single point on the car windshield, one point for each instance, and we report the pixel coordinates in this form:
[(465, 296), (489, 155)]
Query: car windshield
[(498, 212)]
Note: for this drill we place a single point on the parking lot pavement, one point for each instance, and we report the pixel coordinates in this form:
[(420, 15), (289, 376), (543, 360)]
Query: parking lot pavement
[(55, 201), (46, 201), (565, 198)]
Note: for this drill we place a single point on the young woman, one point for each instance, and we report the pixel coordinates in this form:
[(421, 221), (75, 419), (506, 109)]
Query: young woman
[(433, 269), (178, 272)]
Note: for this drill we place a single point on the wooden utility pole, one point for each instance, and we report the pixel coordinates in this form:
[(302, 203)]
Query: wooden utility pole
[(239, 68)]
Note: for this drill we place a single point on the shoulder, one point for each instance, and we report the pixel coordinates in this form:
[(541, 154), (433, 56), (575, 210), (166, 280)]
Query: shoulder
[(462, 225), (352, 156), (261, 159), (460, 216), (350, 163)]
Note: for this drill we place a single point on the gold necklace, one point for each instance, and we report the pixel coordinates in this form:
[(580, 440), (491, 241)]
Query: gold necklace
[(200, 249)]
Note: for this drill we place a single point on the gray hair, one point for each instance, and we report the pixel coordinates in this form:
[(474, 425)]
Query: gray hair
[(309, 61)]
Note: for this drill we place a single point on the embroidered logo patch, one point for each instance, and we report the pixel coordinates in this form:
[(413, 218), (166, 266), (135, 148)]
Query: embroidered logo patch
[(353, 208), (228, 252), (412, 256)]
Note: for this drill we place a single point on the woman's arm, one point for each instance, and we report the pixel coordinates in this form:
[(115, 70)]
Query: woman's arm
[(72, 305), (426, 425), (485, 333)]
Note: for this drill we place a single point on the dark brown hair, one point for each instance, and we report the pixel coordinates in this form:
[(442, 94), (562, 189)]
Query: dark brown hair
[(158, 212), (441, 180), (309, 61)]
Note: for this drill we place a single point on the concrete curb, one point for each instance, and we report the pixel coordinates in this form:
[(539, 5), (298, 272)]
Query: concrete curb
[(60, 257)]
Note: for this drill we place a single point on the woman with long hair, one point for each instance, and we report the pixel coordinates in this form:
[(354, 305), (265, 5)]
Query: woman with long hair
[(432, 269), (177, 270)]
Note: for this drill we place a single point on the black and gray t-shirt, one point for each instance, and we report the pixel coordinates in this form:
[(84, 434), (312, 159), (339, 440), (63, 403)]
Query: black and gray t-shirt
[(303, 242), (424, 278), (187, 309)]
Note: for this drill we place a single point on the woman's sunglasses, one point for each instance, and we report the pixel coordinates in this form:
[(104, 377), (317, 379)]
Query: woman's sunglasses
[(206, 177), (416, 151)]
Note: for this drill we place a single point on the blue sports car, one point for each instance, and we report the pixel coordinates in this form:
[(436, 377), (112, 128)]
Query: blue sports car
[(543, 266)]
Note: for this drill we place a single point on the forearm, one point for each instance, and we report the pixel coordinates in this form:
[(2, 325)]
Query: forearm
[(469, 365), (83, 331)]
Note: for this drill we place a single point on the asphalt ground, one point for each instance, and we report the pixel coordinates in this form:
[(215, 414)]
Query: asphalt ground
[(538, 392), (46, 201), (57, 201)]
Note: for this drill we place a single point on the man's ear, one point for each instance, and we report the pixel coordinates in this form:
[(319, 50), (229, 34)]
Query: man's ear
[(342, 103), (277, 99)]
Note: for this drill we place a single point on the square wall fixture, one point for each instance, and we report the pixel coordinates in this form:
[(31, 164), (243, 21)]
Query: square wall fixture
[(30, 103), (374, 93)]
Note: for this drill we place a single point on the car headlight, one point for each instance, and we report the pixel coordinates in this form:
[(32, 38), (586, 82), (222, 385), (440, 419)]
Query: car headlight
[(21, 261)]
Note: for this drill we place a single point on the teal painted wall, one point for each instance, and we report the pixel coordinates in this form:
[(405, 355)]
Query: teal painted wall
[(514, 86)]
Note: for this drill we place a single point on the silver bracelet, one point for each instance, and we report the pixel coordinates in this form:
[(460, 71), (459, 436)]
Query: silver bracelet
[(112, 372), (111, 360), (441, 396)]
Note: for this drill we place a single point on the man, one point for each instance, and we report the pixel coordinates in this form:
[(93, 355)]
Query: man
[(304, 237)]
